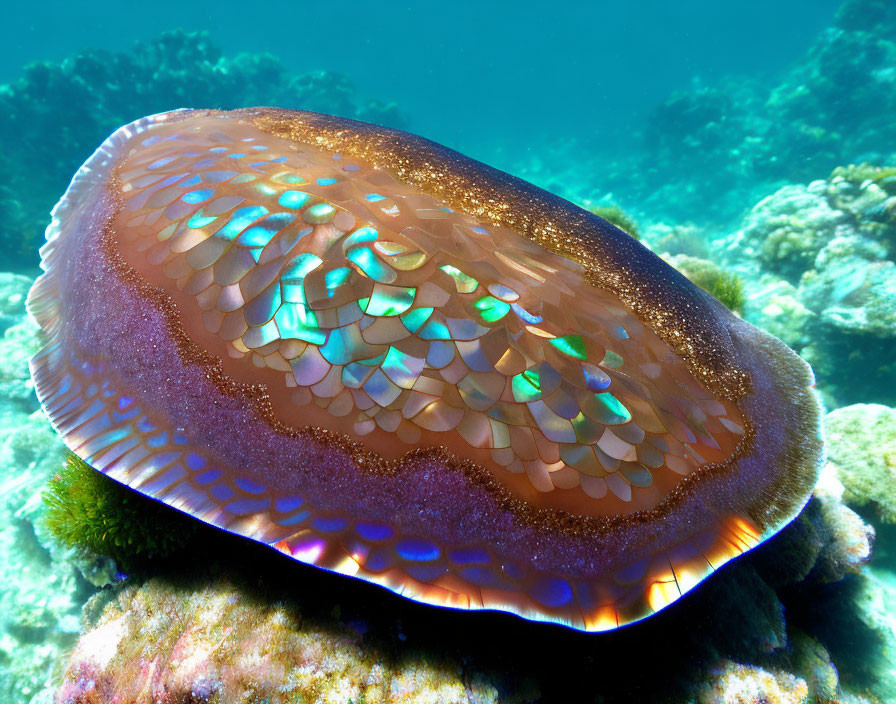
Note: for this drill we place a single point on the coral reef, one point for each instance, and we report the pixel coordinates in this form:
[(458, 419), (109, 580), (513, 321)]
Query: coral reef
[(853, 288), (861, 442), (827, 253), (56, 114), (875, 16), (786, 231), (688, 239), (733, 683), (699, 151), (710, 149), (17, 344), (773, 305), (216, 643), (874, 597)]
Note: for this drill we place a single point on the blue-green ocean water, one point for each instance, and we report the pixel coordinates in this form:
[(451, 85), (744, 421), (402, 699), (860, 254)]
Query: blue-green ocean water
[(755, 137), (469, 75)]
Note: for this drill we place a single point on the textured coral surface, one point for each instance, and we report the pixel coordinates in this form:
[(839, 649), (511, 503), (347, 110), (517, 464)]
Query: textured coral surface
[(178, 643), (862, 443)]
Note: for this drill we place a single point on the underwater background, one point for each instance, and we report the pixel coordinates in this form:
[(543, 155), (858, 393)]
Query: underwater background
[(751, 144)]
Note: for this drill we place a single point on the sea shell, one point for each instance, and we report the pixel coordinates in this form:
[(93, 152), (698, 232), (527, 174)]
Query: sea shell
[(390, 361)]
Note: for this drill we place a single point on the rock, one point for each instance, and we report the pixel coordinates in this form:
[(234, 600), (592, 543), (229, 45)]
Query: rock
[(861, 442), (786, 230), (733, 683), (156, 641), (852, 287), (773, 305)]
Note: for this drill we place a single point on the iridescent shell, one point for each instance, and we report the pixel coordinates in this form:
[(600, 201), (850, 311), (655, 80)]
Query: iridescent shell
[(390, 361)]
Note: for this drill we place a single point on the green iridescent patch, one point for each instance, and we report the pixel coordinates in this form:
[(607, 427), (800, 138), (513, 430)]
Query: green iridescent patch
[(369, 265), (319, 213), (301, 266), (200, 220), (336, 278), (295, 321), (611, 360), (388, 301), (435, 330), (414, 320), (491, 309), (287, 177), (572, 345), (240, 220), (464, 283), (293, 199), (359, 236), (403, 369), (614, 406), (526, 386)]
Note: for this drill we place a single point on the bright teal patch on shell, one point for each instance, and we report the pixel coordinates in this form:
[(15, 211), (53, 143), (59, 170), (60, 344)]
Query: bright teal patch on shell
[(293, 199), (571, 345), (618, 412), (491, 309)]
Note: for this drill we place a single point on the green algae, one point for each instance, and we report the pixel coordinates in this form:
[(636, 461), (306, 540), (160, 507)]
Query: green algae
[(728, 288), (618, 217), (88, 511), (723, 285)]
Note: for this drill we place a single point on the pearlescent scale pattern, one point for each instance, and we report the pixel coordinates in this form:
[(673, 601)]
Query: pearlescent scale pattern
[(187, 213), (400, 318), (110, 430)]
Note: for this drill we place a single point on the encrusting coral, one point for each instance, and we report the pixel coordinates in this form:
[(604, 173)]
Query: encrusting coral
[(834, 240), (159, 641), (733, 683), (786, 230), (862, 444)]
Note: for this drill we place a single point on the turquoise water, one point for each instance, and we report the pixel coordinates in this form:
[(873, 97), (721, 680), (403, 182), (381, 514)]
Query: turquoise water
[(747, 142)]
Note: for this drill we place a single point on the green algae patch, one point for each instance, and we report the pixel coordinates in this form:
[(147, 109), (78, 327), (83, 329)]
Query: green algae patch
[(723, 285), (728, 288), (618, 217), (89, 511)]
